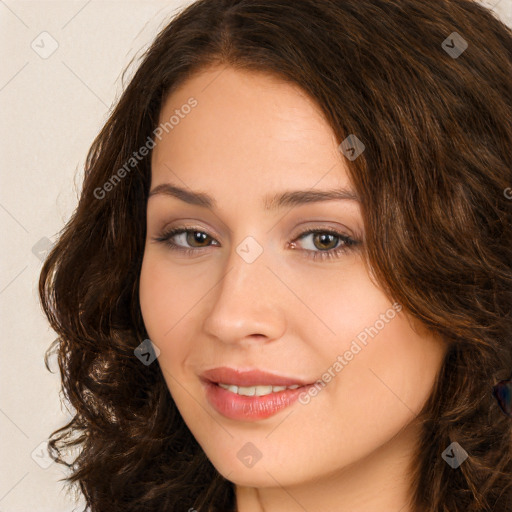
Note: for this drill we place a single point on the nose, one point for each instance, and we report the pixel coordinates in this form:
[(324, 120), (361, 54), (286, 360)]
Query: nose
[(248, 304)]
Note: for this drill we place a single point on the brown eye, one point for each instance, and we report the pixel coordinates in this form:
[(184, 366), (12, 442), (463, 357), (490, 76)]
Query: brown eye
[(185, 239), (325, 244), (196, 237), (325, 241)]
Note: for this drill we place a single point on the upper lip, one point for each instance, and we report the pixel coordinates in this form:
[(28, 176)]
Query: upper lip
[(236, 377)]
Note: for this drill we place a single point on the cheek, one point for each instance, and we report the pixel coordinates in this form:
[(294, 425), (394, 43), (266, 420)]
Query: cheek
[(168, 300), (388, 380), (346, 302), (407, 362), (154, 298), (165, 297), (161, 307)]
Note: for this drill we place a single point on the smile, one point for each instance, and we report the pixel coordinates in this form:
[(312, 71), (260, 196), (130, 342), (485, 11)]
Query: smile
[(250, 395)]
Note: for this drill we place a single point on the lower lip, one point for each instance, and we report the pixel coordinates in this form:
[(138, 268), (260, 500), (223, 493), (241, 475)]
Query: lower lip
[(250, 408)]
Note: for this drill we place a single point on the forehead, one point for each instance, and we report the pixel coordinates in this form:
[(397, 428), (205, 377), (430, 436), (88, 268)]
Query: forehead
[(246, 129)]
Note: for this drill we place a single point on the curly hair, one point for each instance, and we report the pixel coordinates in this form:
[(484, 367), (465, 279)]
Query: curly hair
[(432, 181)]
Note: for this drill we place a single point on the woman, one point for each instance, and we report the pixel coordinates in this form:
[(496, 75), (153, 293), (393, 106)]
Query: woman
[(287, 282)]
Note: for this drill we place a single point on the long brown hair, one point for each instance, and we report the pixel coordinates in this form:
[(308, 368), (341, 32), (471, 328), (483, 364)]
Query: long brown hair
[(437, 130)]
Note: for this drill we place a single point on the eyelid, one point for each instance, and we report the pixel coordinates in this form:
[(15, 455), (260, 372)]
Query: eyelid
[(187, 225), (339, 228)]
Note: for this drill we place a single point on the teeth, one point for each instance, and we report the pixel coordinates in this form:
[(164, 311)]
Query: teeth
[(248, 391), (255, 390)]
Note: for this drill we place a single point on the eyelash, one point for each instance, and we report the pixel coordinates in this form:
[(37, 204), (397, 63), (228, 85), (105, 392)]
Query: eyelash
[(348, 243)]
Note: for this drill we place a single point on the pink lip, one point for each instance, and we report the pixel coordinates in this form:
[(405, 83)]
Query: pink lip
[(249, 408), (227, 375)]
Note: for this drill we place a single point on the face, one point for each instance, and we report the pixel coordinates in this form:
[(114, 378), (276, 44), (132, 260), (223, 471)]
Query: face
[(252, 293)]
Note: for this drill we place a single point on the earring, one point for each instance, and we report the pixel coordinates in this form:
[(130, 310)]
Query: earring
[(503, 394)]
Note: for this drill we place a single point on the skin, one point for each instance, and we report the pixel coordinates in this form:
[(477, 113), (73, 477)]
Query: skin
[(350, 447)]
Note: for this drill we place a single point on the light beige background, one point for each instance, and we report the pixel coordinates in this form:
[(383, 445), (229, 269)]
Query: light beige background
[(53, 105)]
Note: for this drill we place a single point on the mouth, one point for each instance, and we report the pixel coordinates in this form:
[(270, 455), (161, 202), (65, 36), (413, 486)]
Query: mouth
[(250, 395)]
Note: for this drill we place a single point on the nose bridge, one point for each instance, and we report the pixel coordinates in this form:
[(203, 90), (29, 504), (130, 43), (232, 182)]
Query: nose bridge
[(248, 299)]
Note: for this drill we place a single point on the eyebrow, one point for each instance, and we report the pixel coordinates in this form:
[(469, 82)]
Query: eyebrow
[(271, 202)]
